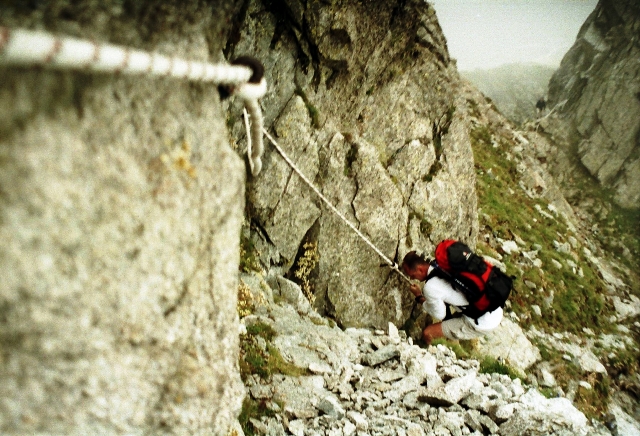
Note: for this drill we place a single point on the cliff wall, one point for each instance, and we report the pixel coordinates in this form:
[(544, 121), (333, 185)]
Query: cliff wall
[(363, 97), (596, 92)]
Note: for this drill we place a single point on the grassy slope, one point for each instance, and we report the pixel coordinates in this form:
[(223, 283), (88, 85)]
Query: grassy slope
[(507, 212)]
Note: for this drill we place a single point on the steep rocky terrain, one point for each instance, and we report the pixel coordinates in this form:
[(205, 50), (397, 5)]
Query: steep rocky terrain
[(354, 381), (365, 104), (596, 93), (366, 382), (121, 204)]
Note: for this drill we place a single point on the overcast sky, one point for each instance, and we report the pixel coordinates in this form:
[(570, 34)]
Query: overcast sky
[(489, 33)]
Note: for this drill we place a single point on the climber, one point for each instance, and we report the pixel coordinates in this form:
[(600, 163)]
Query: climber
[(541, 105), (440, 293)]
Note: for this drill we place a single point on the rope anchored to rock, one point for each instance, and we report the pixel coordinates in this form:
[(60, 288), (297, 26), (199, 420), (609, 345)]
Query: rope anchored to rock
[(394, 266), (244, 77)]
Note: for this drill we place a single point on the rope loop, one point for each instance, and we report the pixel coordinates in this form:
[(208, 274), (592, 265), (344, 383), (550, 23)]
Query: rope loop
[(250, 92)]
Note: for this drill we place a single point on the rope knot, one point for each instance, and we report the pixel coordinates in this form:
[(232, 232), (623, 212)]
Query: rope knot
[(254, 88), (250, 92)]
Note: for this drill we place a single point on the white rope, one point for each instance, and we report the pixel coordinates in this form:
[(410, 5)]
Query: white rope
[(255, 139), (392, 264), (27, 47)]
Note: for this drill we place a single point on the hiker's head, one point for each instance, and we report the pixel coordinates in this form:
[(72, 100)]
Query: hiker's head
[(415, 266)]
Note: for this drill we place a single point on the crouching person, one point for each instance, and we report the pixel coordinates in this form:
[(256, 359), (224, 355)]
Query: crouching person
[(458, 278)]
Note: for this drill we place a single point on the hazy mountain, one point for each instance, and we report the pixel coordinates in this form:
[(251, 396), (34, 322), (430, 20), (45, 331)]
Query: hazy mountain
[(514, 88)]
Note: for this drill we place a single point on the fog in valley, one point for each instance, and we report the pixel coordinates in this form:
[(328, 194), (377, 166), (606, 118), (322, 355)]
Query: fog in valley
[(485, 34), (510, 48)]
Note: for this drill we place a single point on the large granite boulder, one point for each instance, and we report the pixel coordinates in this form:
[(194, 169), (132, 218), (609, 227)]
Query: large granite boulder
[(121, 203)]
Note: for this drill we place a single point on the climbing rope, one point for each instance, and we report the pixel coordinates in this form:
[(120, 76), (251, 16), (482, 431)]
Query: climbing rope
[(394, 266), (26, 47), (245, 79)]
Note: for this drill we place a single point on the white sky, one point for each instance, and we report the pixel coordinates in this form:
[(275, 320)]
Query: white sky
[(489, 33)]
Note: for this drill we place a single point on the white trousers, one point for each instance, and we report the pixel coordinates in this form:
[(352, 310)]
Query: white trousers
[(438, 293)]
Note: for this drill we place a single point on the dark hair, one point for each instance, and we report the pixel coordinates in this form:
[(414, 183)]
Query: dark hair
[(412, 260)]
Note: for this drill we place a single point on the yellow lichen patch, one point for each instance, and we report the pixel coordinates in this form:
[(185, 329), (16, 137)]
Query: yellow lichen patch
[(180, 158), (245, 300), (305, 265)]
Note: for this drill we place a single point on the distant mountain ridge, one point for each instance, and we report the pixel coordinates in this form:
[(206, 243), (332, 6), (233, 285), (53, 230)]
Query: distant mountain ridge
[(514, 88)]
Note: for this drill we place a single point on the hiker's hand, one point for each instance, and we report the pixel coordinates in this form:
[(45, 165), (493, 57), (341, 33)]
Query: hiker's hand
[(415, 289)]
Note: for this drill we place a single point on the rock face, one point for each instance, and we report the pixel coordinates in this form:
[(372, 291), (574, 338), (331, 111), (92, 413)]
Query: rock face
[(120, 211), (597, 96), (363, 100)]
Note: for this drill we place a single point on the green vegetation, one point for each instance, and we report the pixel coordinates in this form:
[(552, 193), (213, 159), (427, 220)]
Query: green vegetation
[(252, 409), (435, 168), (248, 255), (594, 402), (615, 228), (259, 356), (304, 268), (489, 365), (425, 225), (314, 114), (350, 158), (571, 298), (507, 212), (461, 351), (264, 361)]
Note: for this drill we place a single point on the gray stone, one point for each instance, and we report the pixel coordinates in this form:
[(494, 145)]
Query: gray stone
[(300, 395), (488, 424), (628, 308), (600, 115), (381, 355), (472, 420), (478, 402), (296, 427), (542, 415), (509, 342), (510, 247), (400, 388), (588, 362), (292, 294), (536, 309), (564, 247), (625, 424), (349, 429), (452, 392), (282, 201), (502, 413), (261, 392), (331, 407), (359, 420)]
